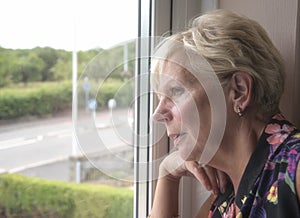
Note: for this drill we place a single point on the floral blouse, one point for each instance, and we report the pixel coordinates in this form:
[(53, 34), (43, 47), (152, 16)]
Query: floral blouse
[(267, 187)]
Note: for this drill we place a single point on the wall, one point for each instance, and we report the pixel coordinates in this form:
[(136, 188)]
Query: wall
[(281, 20)]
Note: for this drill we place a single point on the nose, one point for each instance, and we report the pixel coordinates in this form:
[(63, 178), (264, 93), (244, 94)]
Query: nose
[(163, 111)]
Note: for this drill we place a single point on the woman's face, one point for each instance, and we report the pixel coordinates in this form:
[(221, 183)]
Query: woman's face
[(182, 105)]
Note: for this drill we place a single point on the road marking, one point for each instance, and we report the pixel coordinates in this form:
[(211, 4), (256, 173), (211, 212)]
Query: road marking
[(22, 141), (60, 132), (18, 142), (11, 141)]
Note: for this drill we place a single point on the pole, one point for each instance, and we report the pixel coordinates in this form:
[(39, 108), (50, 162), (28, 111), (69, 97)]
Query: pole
[(74, 108)]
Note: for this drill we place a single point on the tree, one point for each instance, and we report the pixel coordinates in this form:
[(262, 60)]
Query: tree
[(44, 64), (5, 76), (49, 56), (27, 67), (62, 70)]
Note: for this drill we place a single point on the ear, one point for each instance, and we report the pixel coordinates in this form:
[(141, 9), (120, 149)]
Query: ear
[(241, 90)]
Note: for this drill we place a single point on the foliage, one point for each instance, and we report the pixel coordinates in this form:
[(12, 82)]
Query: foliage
[(110, 63), (48, 64), (43, 98), (5, 76), (27, 68), (36, 99), (22, 196), (49, 57), (102, 91)]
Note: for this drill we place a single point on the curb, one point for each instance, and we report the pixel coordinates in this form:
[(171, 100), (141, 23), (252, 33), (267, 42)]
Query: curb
[(38, 164)]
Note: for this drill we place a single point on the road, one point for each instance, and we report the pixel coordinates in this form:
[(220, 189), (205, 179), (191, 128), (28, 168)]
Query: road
[(26, 144)]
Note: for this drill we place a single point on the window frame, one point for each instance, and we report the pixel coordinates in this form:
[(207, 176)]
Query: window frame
[(157, 18)]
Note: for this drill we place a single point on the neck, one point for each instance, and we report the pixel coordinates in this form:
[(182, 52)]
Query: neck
[(237, 147)]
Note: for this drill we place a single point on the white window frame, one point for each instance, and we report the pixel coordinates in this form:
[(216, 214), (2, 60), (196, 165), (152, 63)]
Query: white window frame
[(157, 18)]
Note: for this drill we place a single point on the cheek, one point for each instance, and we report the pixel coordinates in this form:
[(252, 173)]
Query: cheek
[(196, 120), (190, 125), (187, 151), (196, 115), (189, 114)]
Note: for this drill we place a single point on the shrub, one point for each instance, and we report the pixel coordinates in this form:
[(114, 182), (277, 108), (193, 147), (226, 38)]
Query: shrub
[(52, 97), (102, 91), (22, 196), (47, 98)]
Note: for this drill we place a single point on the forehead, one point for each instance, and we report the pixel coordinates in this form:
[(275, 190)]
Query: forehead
[(171, 72)]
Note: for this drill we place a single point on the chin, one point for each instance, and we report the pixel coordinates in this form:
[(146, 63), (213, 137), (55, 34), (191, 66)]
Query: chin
[(189, 153), (186, 154)]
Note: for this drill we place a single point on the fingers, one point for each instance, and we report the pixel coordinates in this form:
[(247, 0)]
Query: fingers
[(212, 179), (199, 173), (212, 175), (203, 177), (223, 180)]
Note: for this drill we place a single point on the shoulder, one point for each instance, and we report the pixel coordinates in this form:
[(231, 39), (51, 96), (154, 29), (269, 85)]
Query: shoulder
[(292, 150), (297, 182), (296, 137), (284, 140)]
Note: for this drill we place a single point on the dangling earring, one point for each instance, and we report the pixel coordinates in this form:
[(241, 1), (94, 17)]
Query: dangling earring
[(239, 112)]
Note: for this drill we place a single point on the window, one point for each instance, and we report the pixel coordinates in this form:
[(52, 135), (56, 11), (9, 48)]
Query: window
[(159, 18), (102, 48), (37, 45)]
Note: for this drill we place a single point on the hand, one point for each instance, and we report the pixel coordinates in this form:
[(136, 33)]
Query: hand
[(175, 167)]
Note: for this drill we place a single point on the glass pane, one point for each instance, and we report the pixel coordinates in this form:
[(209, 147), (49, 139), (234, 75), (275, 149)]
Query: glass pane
[(38, 42), (104, 125)]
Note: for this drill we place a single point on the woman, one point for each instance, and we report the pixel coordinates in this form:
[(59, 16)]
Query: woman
[(258, 149)]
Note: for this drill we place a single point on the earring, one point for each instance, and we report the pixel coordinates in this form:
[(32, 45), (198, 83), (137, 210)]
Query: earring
[(239, 112)]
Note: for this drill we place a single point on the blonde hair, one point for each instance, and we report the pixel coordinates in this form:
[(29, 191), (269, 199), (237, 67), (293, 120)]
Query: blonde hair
[(231, 42)]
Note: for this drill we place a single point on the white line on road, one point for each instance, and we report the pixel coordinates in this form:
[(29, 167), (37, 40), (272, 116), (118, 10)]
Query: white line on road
[(13, 143), (22, 141), (59, 132)]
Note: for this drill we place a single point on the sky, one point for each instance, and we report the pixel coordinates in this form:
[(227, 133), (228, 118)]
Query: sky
[(67, 24)]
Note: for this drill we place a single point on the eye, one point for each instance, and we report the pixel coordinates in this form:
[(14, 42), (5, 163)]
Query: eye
[(176, 91)]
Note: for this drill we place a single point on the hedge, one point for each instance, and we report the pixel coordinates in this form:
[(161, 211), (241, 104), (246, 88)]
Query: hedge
[(52, 97), (22, 196), (47, 98), (102, 91), (122, 92)]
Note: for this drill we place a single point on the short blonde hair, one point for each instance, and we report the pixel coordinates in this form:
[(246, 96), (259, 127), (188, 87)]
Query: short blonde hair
[(231, 42)]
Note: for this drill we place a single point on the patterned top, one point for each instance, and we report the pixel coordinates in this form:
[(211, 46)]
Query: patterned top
[(267, 187)]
